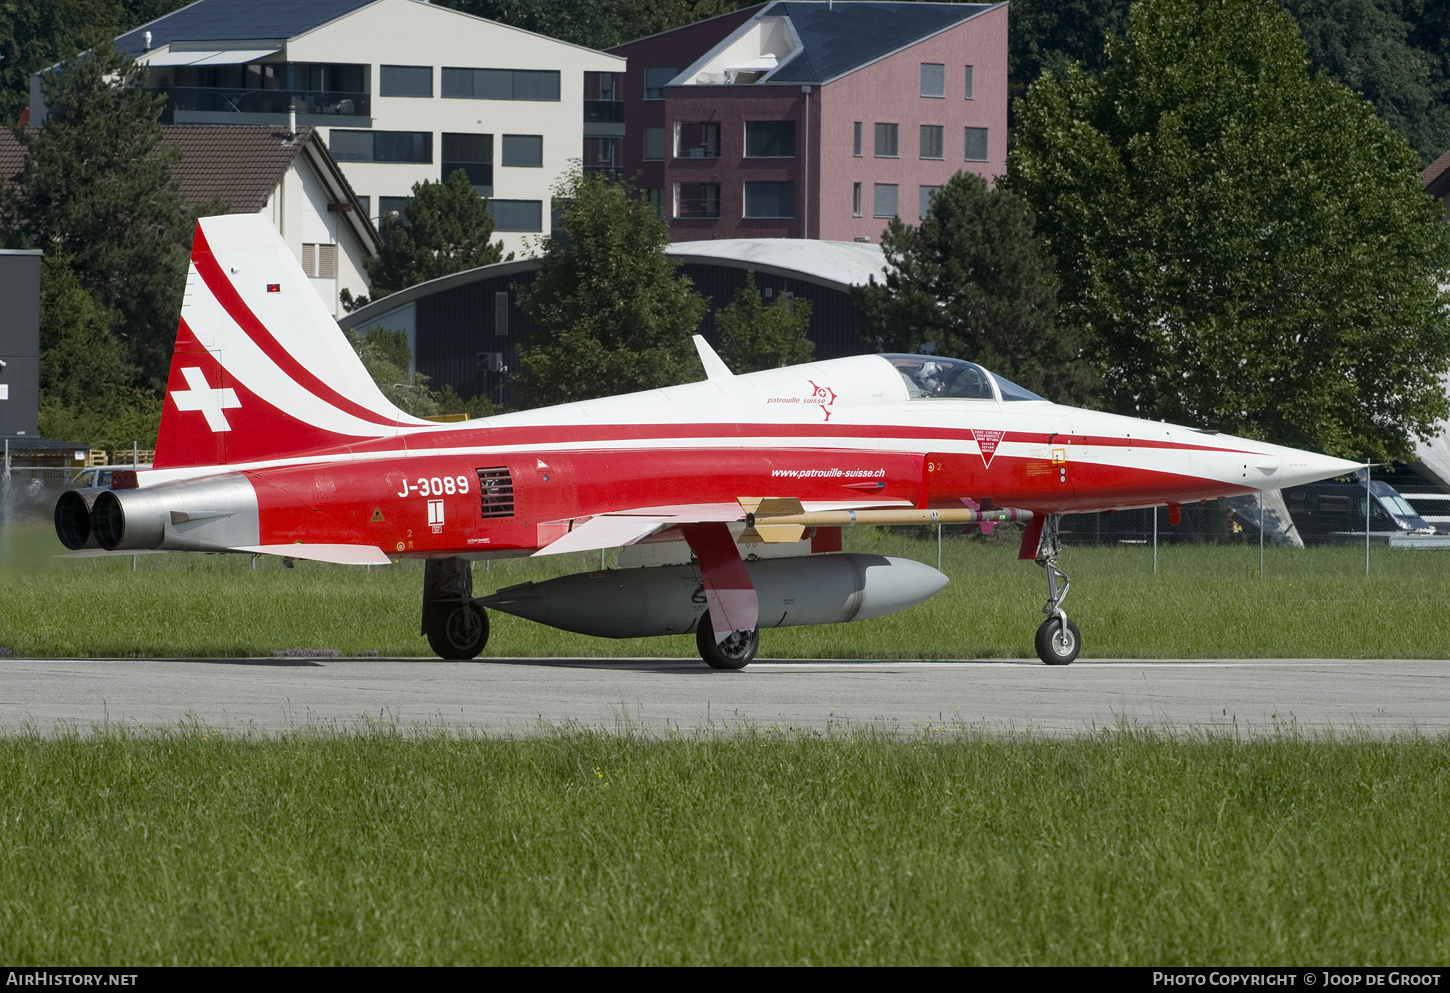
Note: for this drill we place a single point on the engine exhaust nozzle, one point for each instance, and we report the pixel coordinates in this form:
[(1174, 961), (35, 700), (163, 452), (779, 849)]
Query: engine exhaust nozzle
[(73, 518)]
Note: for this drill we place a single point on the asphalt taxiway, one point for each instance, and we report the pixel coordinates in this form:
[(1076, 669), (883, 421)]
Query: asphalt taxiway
[(1378, 696)]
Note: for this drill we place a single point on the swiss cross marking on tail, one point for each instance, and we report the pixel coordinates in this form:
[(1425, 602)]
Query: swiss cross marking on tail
[(987, 442), (212, 403)]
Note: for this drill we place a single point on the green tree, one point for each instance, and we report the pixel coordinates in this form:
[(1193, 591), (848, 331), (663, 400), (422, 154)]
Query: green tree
[(97, 187), (754, 335), (36, 34), (974, 282), (1244, 246), (613, 314), (1367, 46), (1049, 35), (447, 230), (386, 356), (86, 374)]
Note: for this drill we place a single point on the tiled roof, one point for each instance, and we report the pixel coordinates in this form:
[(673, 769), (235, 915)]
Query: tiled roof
[(1437, 176), (238, 20), (12, 156), (838, 38), (240, 164)]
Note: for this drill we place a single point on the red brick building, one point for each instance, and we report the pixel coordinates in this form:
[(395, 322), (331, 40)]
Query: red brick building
[(809, 118)]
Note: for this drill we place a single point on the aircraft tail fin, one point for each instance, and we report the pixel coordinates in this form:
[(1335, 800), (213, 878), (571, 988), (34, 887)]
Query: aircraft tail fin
[(260, 369)]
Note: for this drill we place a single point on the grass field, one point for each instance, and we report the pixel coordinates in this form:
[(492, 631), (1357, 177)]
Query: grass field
[(1205, 601), (375, 847)]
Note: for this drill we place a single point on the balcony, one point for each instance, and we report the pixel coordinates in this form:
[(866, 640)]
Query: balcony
[(603, 112), (697, 201), (212, 101)]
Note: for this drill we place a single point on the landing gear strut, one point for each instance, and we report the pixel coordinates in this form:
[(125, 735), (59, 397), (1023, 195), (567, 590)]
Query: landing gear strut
[(456, 626), (1058, 641)]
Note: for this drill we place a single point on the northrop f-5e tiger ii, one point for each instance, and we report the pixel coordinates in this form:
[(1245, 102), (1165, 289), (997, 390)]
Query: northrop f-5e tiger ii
[(727, 496)]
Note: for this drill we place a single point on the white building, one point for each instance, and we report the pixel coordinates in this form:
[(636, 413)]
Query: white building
[(292, 181), (401, 91)]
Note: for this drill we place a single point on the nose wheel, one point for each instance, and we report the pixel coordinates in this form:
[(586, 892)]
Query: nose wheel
[(1058, 640)]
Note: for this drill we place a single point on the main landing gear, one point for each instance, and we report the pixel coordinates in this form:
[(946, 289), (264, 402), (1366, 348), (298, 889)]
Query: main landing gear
[(456, 626), (1058, 641), (735, 652)]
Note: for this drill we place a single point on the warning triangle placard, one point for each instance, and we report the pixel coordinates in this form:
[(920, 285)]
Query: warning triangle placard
[(987, 442)]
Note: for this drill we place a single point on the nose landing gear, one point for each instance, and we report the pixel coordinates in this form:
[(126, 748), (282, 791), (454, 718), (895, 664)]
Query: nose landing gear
[(1058, 640)]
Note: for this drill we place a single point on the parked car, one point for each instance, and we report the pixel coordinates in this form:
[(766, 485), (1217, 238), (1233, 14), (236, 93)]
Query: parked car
[(1323, 510), (99, 475)]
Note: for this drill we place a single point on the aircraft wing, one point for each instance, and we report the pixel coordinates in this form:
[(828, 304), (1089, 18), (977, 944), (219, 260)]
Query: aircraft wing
[(625, 527)]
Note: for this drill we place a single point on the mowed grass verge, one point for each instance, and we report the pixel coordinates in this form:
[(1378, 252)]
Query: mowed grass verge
[(733, 847), (1204, 602)]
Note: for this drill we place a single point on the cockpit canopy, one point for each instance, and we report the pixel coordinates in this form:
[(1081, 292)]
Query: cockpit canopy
[(934, 377)]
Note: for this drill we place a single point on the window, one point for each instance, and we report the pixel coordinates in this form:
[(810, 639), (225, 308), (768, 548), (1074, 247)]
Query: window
[(932, 141), (886, 141), (655, 196), (933, 79), (501, 84), (976, 142), (517, 215), (885, 200), (969, 83), (600, 152), (855, 199), (525, 150), (697, 140), (473, 153), (770, 199), (319, 261), (769, 139), (405, 81), (654, 144), (856, 139), (697, 200), (927, 192), (501, 312), (381, 146), (655, 80)]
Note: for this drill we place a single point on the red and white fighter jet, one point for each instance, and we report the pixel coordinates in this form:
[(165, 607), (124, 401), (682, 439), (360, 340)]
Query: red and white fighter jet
[(727, 496)]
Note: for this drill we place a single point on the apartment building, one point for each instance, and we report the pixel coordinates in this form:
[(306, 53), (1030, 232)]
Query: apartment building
[(400, 90), (810, 118)]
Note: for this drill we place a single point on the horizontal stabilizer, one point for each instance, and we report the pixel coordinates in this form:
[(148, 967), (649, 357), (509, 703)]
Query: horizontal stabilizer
[(336, 554)]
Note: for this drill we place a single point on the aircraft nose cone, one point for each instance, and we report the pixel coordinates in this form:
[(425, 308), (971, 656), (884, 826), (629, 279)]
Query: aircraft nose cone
[(1299, 467)]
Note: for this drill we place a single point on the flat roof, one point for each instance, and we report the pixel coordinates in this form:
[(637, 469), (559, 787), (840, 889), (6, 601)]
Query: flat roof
[(839, 264)]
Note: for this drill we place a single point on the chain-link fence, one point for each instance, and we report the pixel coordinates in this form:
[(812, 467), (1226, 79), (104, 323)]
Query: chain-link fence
[(28, 494)]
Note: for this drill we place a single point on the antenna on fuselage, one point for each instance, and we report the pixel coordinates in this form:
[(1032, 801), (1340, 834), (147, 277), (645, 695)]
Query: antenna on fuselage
[(715, 367)]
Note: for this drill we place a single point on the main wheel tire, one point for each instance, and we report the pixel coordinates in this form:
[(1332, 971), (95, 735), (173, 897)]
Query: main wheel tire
[(735, 652), (457, 631), (1055, 649)]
